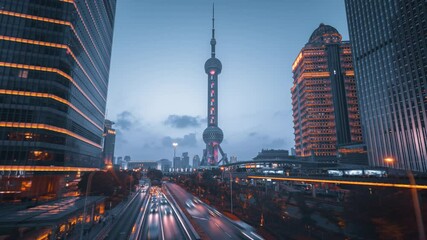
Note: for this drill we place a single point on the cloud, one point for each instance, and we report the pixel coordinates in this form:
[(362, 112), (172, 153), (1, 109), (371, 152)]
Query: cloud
[(277, 143), (188, 140), (183, 121), (252, 134), (258, 136), (125, 120)]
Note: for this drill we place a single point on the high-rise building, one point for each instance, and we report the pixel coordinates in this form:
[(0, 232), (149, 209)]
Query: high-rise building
[(177, 163), (185, 160), (164, 165), (109, 143), (233, 159), (324, 100), (389, 50), (54, 68), (293, 152), (119, 160), (127, 159), (196, 161)]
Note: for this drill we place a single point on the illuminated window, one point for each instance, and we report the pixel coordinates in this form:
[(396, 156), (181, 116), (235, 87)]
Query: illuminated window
[(23, 74), (26, 185), (37, 155)]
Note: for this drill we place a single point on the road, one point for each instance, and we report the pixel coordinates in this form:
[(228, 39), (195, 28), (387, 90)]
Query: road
[(161, 220), (213, 223), (123, 226)]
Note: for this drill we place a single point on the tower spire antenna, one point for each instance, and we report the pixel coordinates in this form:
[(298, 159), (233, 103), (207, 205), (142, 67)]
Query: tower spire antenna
[(213, 41), (213, 15)]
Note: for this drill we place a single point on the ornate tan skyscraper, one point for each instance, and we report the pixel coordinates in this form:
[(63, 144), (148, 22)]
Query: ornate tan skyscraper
[(324, 100)]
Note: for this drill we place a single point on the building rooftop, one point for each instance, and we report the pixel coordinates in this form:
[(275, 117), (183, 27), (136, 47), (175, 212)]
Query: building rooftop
[(324, 33)]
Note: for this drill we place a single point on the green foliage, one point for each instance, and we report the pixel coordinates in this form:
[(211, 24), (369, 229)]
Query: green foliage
[(102, 183), (108, 183), (154, 174)]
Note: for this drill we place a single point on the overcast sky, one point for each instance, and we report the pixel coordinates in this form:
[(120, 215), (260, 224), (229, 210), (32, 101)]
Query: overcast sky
[(158, 87)]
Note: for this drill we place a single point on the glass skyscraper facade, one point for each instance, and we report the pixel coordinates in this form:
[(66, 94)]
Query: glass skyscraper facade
[(109, 143), (324, 99), (54, 68), (389, 50)]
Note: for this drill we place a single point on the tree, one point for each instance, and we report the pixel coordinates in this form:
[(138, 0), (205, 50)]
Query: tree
[(103, 183), (154, 174)]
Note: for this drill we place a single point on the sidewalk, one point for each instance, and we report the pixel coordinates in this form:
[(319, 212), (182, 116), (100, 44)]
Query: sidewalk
[(92, 232)]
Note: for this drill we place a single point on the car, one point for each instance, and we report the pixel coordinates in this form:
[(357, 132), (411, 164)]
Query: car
[(168, 211), (189, 203), (153, 209), (163, 201), (212, 213)]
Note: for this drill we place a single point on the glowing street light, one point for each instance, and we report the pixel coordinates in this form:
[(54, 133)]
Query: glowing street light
[(174, 145), (389, 161), (415, 200)]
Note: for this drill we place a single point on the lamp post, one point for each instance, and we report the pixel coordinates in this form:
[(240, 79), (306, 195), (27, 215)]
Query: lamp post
[(415, 200), (89, 184), (389, 161), (174, 145), (231, 191)]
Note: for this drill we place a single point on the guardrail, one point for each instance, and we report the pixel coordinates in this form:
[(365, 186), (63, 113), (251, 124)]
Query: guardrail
[(141, 219), (105, 230)]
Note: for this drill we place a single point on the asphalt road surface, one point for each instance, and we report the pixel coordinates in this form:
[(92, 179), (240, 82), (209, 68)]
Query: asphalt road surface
[(213, 223), (161, 220), (123, 226)]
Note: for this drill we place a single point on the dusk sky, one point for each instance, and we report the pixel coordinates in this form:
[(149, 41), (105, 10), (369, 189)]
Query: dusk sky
[(158, 87)]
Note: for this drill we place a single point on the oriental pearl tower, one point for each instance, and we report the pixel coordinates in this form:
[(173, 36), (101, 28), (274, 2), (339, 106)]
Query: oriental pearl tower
[(213, 135)]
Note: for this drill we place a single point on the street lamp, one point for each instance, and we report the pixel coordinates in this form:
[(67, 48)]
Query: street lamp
[(174, 145), (389, 160), (231, 185), (415, 200), (88, 187), (231, 190)]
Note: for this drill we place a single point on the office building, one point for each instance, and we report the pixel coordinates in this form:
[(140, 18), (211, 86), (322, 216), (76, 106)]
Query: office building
[(196, 161), (389, 47), (109, 143), (54, 68), (145, 165), (119, 160), (324, 100), (185, 160), (177, 163), (293, 152), (272, 154), (164, 165)]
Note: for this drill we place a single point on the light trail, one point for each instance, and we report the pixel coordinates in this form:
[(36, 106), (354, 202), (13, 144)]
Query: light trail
[(46, 168), (372, 184)]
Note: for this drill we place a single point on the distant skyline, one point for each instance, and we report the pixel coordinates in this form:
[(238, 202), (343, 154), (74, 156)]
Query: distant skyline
[(157, 90)]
